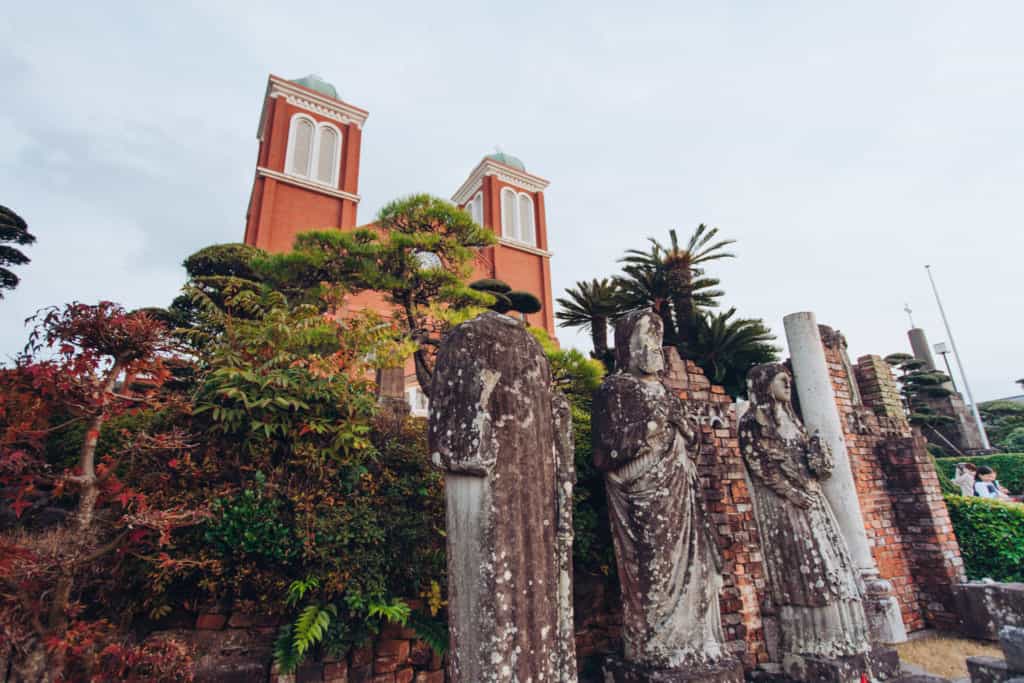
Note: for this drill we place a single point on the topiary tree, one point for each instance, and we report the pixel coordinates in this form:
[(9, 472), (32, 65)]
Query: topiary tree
[(419, 256), (917, 385), (13, 230), (505, 299)]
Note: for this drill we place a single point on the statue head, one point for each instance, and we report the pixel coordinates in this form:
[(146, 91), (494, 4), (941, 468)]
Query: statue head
[(638, 338), (770, 383)]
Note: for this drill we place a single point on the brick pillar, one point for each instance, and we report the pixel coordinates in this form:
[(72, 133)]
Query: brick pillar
[(878, 388), (927, 531)]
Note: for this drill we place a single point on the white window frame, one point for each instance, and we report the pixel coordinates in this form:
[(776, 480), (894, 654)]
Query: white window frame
[(532, 241), (478, 208), (517, 231), (314, 156)]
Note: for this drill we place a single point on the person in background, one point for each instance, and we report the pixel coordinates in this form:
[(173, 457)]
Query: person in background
[(986, 485), (965, 477)]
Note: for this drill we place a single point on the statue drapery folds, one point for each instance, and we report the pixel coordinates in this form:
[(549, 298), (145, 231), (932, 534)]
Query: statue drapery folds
[(667, 560), (812, 580)]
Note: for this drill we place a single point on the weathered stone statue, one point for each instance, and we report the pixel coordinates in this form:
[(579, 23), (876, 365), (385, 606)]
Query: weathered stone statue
[(812, 580), (668, 564), (503, 437)]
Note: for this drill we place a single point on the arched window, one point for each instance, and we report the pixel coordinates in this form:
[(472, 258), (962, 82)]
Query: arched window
[(327, 154), (478, 208), (313, 150), (300, 145), (509, 214), (527, 229)]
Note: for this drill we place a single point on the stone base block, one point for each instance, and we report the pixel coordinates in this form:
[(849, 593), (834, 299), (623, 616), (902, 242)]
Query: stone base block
[(881, 664), (617, 670), (988, 670), (984, 608), (1011, 638)]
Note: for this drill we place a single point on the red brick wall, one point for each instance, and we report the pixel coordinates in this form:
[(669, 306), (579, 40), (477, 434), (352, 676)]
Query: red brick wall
[(238, 646), (935, 561), (727, 497)]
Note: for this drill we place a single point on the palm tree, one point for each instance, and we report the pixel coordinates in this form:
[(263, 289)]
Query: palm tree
[(684, 280), (590, 305), (13, 229), (726, 348)]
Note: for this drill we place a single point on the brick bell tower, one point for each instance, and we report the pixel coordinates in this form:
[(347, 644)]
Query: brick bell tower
[(307, 169), (501, 195)]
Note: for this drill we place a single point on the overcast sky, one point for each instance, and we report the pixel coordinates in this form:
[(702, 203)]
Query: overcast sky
[(844, 148)]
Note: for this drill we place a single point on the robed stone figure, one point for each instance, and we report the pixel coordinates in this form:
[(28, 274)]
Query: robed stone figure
[(668, 564), (812, 580)]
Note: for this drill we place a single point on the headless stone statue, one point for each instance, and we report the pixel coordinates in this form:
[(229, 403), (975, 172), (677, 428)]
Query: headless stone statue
[(667, 561), (812, 580), (503, 437)]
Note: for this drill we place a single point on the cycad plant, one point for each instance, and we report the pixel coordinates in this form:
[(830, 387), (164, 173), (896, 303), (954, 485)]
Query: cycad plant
[(590, 305), (726, 347), (676, 273)]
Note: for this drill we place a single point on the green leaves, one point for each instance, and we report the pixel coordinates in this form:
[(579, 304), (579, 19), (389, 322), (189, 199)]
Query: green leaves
[(394, 611), (991, 537), (310, 627)]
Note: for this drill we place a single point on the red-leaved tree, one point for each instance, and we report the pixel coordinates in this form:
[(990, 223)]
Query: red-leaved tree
[(75, 526)]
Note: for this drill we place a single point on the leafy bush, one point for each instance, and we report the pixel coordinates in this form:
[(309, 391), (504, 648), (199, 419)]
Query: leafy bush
[(991, 537), (252, 526), (1014, 441), (592, 543), (1001, 419), (1009, 468)]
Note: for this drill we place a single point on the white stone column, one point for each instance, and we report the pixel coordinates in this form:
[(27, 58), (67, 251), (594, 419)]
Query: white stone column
[(821, 413)]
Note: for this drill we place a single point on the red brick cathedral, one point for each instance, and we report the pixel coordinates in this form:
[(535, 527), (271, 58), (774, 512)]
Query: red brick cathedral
[(307, 177)]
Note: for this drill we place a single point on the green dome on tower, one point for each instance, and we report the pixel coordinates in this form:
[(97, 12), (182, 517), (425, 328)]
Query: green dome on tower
[(508, 160), (314, 82)]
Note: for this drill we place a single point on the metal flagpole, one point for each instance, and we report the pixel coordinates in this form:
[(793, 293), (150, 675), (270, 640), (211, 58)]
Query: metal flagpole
[(959, 363)]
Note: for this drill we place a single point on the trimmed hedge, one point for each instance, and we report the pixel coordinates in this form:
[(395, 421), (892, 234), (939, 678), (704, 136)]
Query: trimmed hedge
[(1009, 468), (991, 537)]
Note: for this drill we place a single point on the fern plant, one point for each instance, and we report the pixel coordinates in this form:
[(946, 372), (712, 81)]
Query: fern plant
[(431, 630), (319, 624)]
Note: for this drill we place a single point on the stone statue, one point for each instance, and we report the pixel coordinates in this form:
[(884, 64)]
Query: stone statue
[(668, 563), (503, 437), (812, 580)]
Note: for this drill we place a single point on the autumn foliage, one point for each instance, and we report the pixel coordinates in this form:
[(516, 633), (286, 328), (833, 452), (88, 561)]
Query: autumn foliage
[(77, 527)]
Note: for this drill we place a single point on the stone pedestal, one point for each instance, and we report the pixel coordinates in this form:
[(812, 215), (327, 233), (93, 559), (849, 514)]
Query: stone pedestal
[(820, 413), (984, 608), (989, 670), (618, 670), (881, 664)]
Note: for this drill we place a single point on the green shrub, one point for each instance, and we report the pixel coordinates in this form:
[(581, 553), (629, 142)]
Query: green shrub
[(252, 525), (1014, 441), (1009, 468), (991, 537)]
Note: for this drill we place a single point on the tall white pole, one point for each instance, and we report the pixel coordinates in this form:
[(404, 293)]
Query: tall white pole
[(959, 363)]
